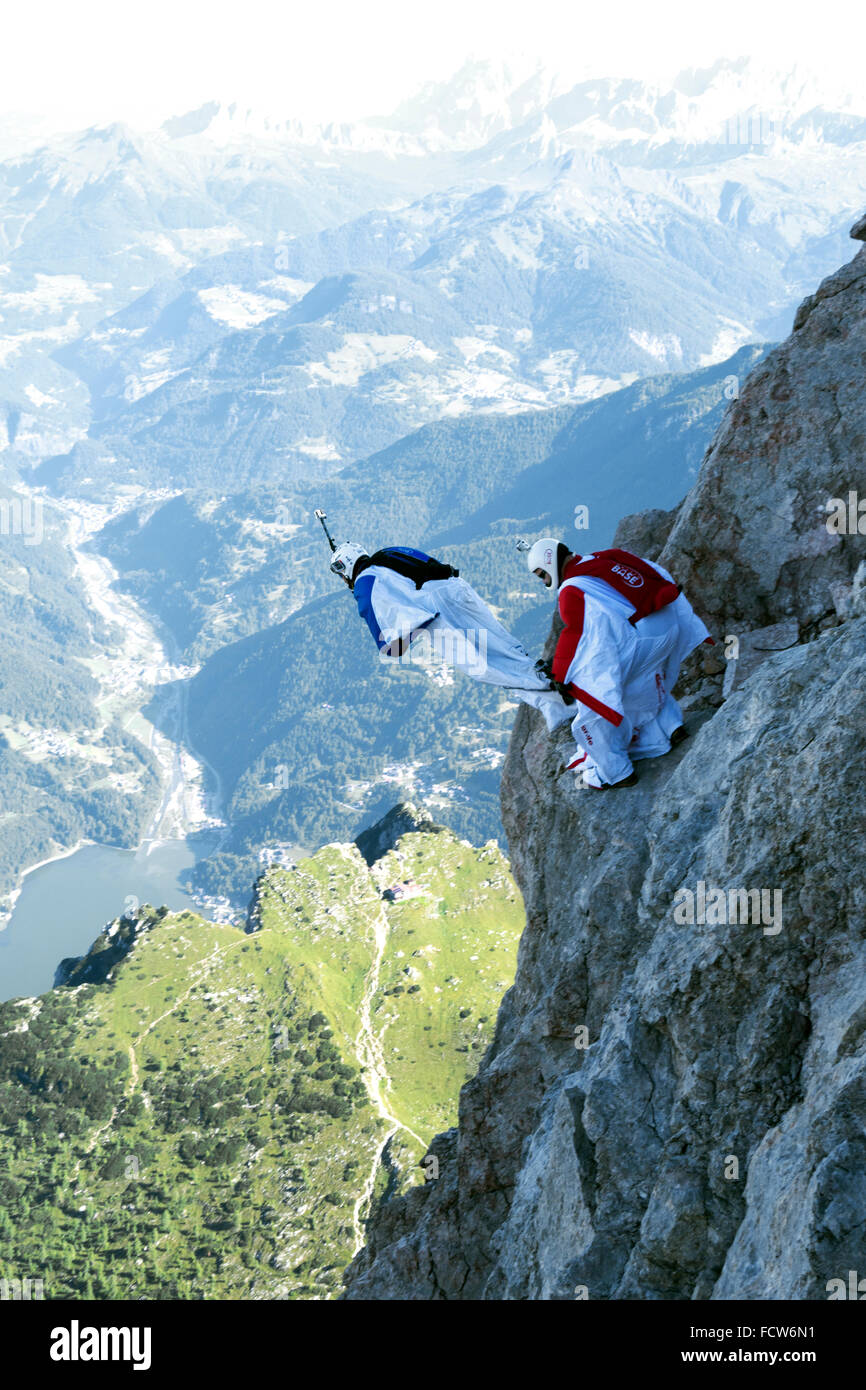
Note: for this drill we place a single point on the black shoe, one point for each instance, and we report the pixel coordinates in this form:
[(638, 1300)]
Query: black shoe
[(629, 781), (678, 735)]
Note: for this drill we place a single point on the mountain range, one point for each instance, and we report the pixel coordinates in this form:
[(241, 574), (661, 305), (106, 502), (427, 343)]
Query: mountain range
[(423, 322)]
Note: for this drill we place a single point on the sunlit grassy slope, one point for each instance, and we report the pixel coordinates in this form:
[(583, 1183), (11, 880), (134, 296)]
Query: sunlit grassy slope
[(205, 1116)]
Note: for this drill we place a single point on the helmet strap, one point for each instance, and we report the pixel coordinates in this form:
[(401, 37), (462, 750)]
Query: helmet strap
[(562, 554), (362, 563)]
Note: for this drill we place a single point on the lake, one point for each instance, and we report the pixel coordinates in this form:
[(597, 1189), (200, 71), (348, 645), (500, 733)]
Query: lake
[(64, 905)]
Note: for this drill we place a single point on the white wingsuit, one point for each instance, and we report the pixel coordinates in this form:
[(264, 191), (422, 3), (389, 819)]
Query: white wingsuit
[(623, 672), (463, 631)]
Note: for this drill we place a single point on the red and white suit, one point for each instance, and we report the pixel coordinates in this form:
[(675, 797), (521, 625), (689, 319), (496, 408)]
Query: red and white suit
[(627, 631)]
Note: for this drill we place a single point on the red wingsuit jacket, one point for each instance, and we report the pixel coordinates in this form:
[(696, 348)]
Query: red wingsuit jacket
[(631, 577)]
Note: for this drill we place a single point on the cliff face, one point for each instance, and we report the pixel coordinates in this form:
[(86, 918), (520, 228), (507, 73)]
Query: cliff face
[(675, 1108), (751, 540)]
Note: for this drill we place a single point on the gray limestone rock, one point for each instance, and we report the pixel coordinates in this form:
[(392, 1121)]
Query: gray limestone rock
[(645, 533), (754, 647)]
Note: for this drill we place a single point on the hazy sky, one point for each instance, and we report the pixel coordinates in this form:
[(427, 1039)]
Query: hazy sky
[(78, 61)]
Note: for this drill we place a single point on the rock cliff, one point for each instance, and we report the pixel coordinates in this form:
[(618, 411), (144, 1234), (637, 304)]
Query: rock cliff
[(674, 1103)]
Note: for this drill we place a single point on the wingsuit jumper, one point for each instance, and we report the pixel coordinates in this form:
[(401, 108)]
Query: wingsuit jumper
[(628, 628), (401, 592)]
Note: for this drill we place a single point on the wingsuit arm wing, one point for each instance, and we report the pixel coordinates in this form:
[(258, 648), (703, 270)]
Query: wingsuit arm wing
[(393, 610)]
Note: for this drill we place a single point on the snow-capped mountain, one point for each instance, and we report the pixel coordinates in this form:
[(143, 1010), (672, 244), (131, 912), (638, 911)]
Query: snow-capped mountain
[(503, 240), (485, 100)]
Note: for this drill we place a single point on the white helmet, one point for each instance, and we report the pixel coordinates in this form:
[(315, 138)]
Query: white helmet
[(345, 558), (546, 555)]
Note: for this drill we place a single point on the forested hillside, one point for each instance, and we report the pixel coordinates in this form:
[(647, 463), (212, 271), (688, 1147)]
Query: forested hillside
[(201, 1111)]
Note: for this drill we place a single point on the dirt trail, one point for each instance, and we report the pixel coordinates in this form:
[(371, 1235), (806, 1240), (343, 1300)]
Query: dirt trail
[(368, 1046)]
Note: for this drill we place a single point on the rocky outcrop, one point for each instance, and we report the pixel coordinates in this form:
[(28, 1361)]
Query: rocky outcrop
[(115, 941), (372, 844), (645, 533), (751, 539), (753, 648), (674, 1103), (378, 839)]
